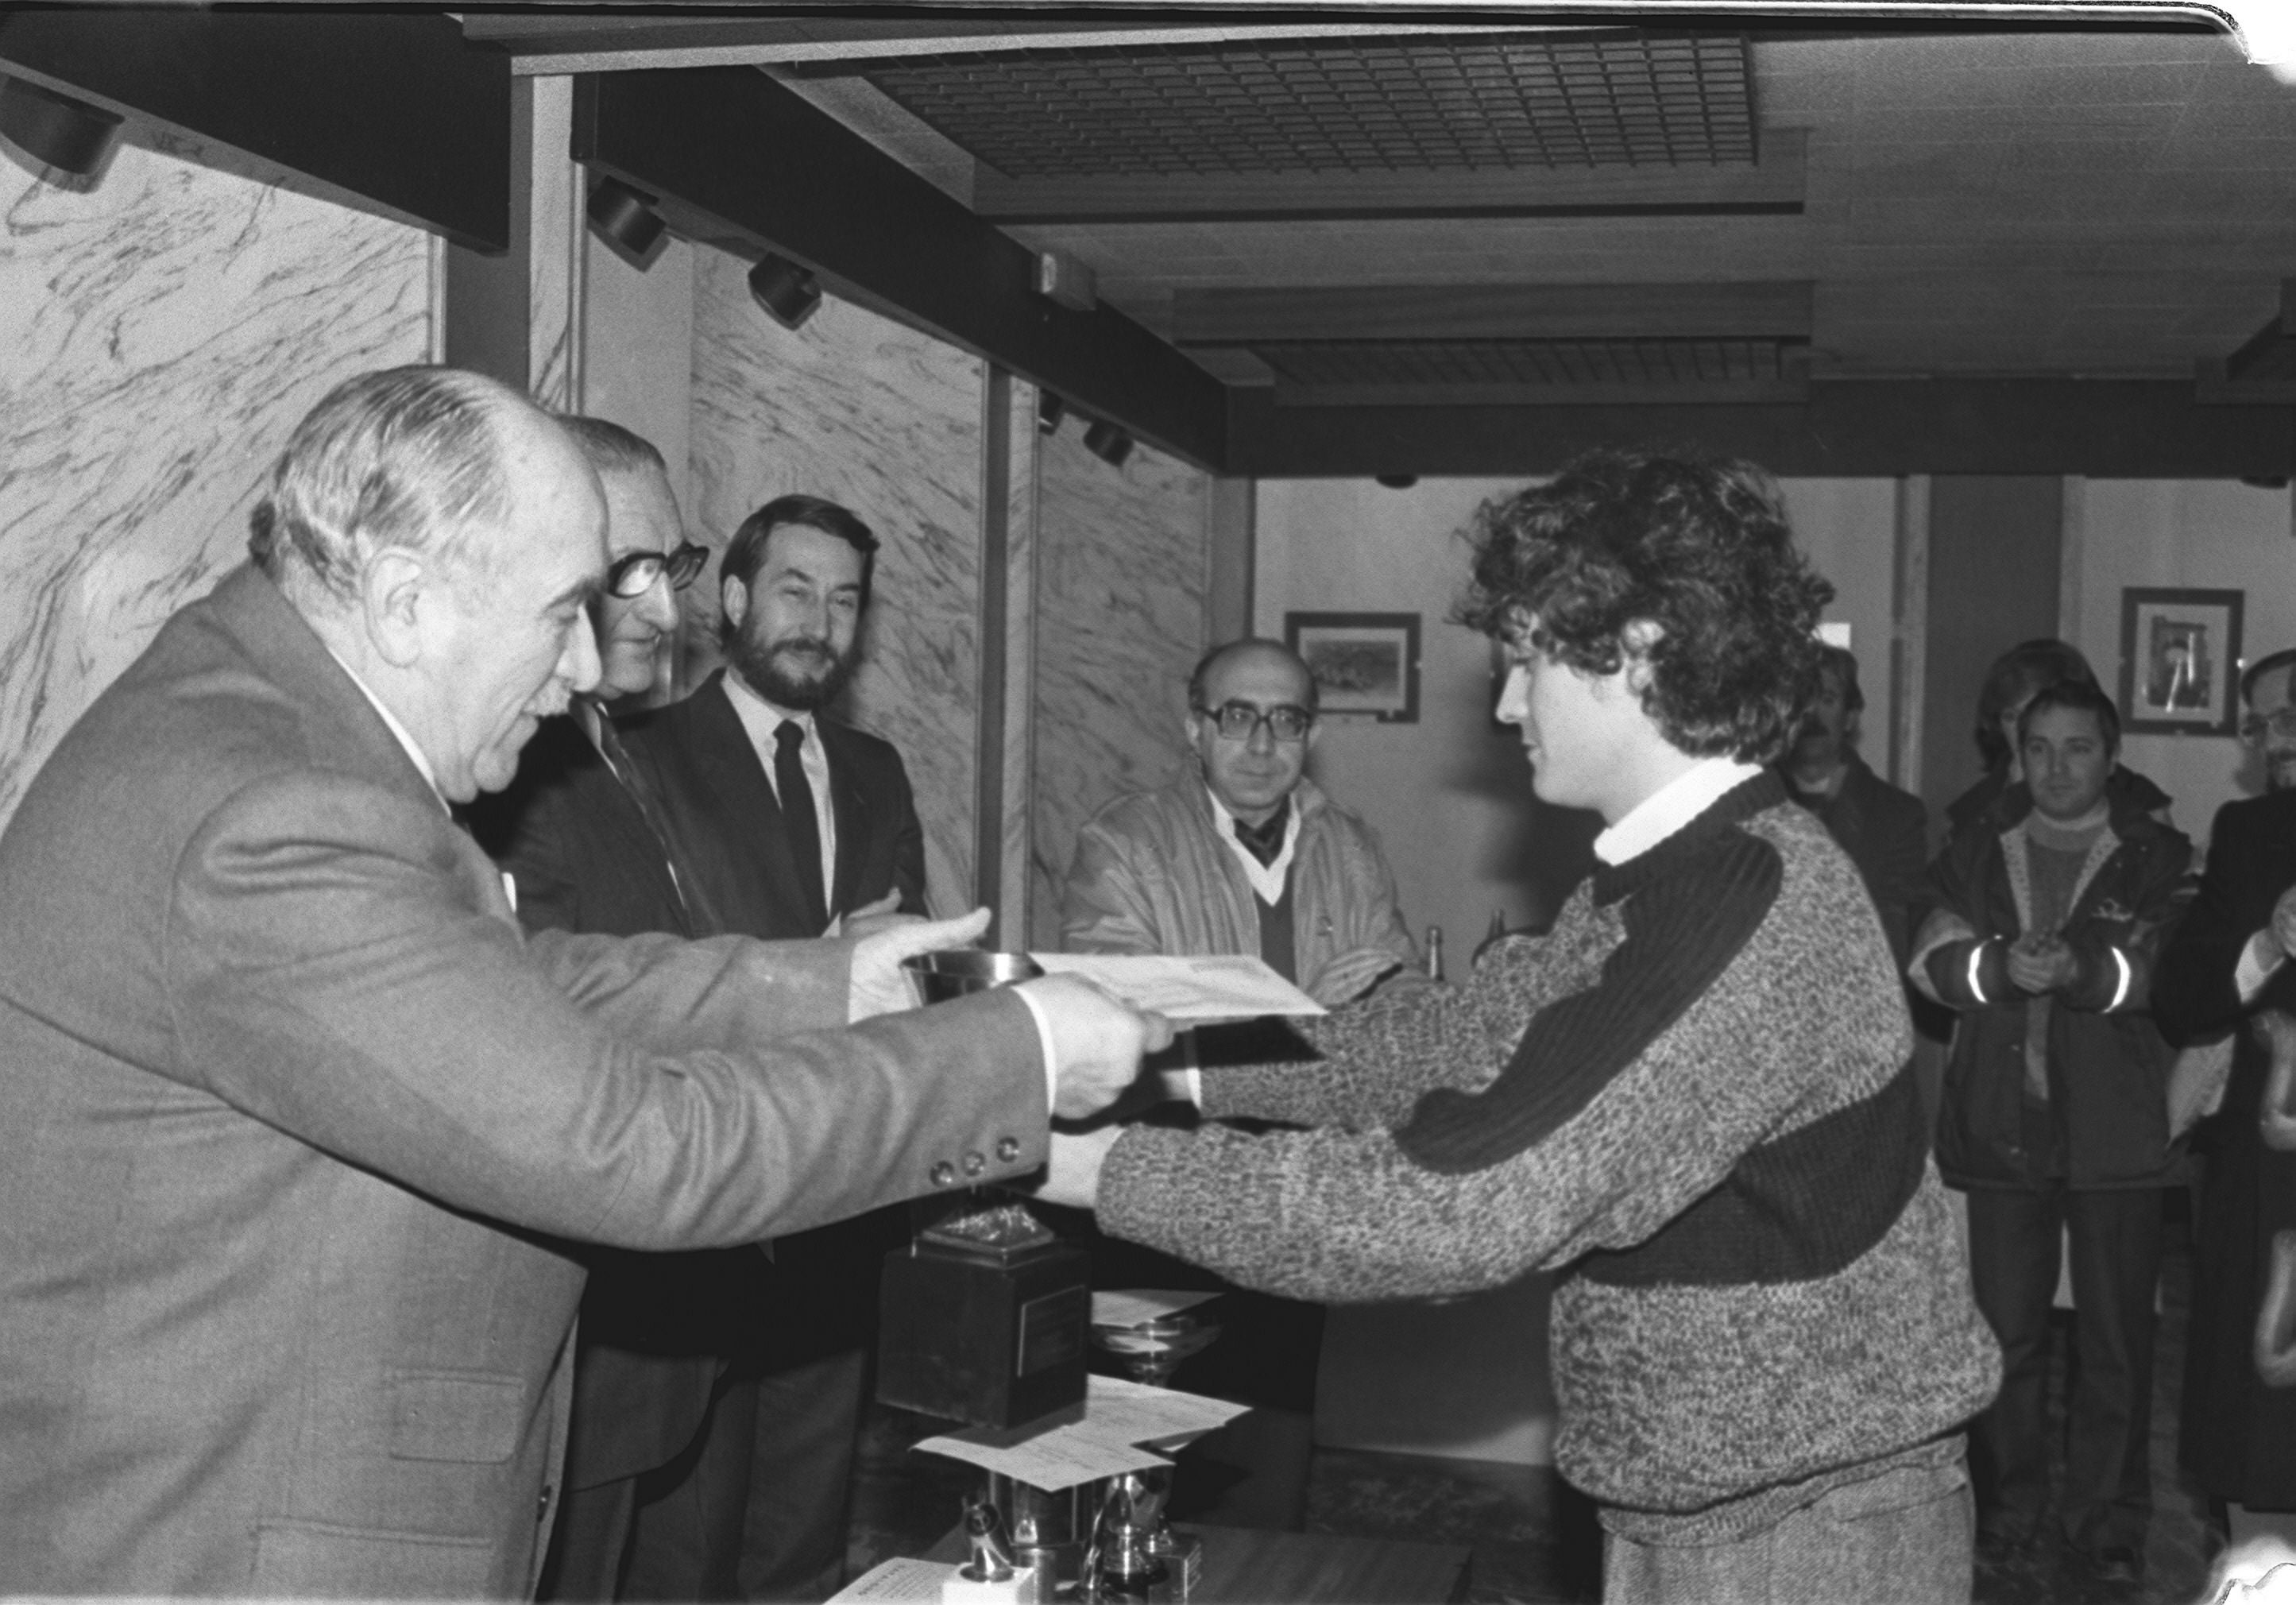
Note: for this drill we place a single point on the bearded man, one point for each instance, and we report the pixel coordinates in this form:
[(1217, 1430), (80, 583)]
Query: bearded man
[(792, 823)]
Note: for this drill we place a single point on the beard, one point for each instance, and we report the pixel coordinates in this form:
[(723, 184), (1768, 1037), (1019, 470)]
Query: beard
[(798, 675)]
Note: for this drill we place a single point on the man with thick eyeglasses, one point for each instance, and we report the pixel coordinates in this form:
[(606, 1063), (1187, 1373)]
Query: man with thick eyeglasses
[(2228, 963), (1243, 854), (581, 838)]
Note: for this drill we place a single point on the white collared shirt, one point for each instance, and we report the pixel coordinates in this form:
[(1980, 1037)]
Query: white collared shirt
[(1266, 878), (1670, 808), (405, 737), (760, 718)]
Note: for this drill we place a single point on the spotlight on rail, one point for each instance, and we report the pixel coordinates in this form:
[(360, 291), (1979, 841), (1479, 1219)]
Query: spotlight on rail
[(624, 218), (788, 294), (55, 130)]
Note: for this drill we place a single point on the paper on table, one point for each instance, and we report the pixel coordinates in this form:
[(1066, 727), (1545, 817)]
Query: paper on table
[(1203, 987), (1138, 1414), (1119, 1417), (1137, 1306), (899, 1578), (1059, 1458)]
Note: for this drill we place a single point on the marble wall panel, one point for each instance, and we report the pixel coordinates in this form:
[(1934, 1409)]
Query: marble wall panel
[(1015, 927), (160, 335), (1121, 557), (886, 421)]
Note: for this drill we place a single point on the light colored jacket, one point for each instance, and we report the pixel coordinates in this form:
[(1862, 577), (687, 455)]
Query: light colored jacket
[(1153, 874)]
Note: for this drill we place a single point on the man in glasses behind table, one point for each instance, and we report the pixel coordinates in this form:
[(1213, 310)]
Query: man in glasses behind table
[(1242, 853)]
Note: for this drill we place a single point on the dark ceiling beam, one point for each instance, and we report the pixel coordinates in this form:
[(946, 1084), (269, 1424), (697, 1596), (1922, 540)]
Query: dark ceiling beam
[(392, 114), (1778, 309), (1715, 392), (1773, 186), (2106, 428), (740, 162)]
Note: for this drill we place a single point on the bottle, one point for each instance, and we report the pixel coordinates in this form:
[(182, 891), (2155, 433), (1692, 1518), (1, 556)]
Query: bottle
[(1435, 953)]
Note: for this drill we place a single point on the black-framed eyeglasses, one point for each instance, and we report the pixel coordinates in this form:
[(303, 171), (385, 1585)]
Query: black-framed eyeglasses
[(632, 577), (2282, 724), (1236, 721)]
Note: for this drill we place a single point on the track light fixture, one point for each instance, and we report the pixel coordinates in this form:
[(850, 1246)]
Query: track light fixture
[(56, 130), (788, 294), (1108, 442), (1050, 410), (624, 218)]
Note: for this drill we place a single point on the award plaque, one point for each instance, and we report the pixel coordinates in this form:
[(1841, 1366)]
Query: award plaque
[(983, 1319)]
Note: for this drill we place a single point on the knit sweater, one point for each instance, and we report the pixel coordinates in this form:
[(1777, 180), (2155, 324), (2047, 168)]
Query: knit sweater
[(1691, 1098)]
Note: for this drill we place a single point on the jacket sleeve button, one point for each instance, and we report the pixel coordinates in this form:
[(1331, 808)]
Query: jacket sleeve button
[(975, 1163), (1008, 1149), (943, 1173)]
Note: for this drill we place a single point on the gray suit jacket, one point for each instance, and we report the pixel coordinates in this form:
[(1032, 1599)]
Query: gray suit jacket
[(289, 1107)]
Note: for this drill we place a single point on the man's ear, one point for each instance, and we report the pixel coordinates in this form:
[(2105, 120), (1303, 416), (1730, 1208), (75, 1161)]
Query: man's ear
[(733, 599), (1314, 735), (393, 596), (1638, 639)]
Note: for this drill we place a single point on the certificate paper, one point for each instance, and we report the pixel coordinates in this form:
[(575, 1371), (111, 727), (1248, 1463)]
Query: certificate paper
[(1204, 987), (1119, 1417)]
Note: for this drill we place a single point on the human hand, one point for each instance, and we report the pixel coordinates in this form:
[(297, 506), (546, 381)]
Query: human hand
[(1097, 1043), (1073, 1174), (2283, 923), (879, 985), (883, 914), (2274, 1343), (2276, 1116), (2038, 964), (1351, 974)]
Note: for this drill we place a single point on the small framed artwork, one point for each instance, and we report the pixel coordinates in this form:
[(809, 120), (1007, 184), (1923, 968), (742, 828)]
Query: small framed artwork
[(2180, 661), (1365, 665)]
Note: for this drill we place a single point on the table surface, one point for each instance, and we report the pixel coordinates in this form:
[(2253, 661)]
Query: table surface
[(1248, 1566)]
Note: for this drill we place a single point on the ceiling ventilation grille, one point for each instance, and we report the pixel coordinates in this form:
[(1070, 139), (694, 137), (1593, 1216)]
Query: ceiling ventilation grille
[(1552, 100)]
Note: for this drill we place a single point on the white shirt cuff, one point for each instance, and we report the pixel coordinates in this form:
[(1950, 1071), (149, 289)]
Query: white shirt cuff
[(1045, 1040), (2252, 971)]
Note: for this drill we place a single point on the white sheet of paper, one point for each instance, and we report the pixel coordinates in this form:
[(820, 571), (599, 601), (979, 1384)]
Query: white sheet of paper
[(1119, 1417), (1058, 1459), (1137, 1306), (1201, 988), (899, 1578)]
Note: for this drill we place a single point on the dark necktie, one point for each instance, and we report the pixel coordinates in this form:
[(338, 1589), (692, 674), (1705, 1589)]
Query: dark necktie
[(797, 814)]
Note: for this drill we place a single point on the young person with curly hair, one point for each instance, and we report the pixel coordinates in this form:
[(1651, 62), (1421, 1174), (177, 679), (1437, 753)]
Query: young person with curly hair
[(1690, 1098)]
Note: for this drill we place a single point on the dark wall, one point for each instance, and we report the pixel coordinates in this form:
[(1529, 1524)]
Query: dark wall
[(1993, 548)]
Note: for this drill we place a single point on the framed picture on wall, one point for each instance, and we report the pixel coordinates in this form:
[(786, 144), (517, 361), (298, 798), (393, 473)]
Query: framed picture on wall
[(2180, 661), (1365, 665)]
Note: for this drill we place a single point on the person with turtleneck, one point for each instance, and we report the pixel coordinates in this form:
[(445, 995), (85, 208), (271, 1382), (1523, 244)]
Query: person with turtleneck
[(2047, 925)]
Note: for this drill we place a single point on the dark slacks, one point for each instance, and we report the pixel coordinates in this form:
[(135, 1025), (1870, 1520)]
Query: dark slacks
[(2014, 1239)]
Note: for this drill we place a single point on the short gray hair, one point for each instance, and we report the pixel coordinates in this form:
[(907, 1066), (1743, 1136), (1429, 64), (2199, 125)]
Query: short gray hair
[(409, 457)]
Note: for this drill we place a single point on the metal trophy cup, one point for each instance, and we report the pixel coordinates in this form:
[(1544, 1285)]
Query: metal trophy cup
[(1152, 1350), (983, 1317)]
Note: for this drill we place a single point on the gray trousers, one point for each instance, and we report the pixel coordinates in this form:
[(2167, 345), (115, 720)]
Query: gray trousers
[(1904, 1536)]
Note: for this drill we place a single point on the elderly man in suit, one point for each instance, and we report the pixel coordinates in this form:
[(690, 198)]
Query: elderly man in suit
[(581, 841), (292, 1110), (795, 822), (2226, 964)]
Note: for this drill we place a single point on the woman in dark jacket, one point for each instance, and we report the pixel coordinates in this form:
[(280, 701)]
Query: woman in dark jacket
[(2049, 910)]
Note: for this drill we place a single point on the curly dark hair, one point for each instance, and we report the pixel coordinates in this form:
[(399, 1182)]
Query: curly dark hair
[(1699, 547)]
